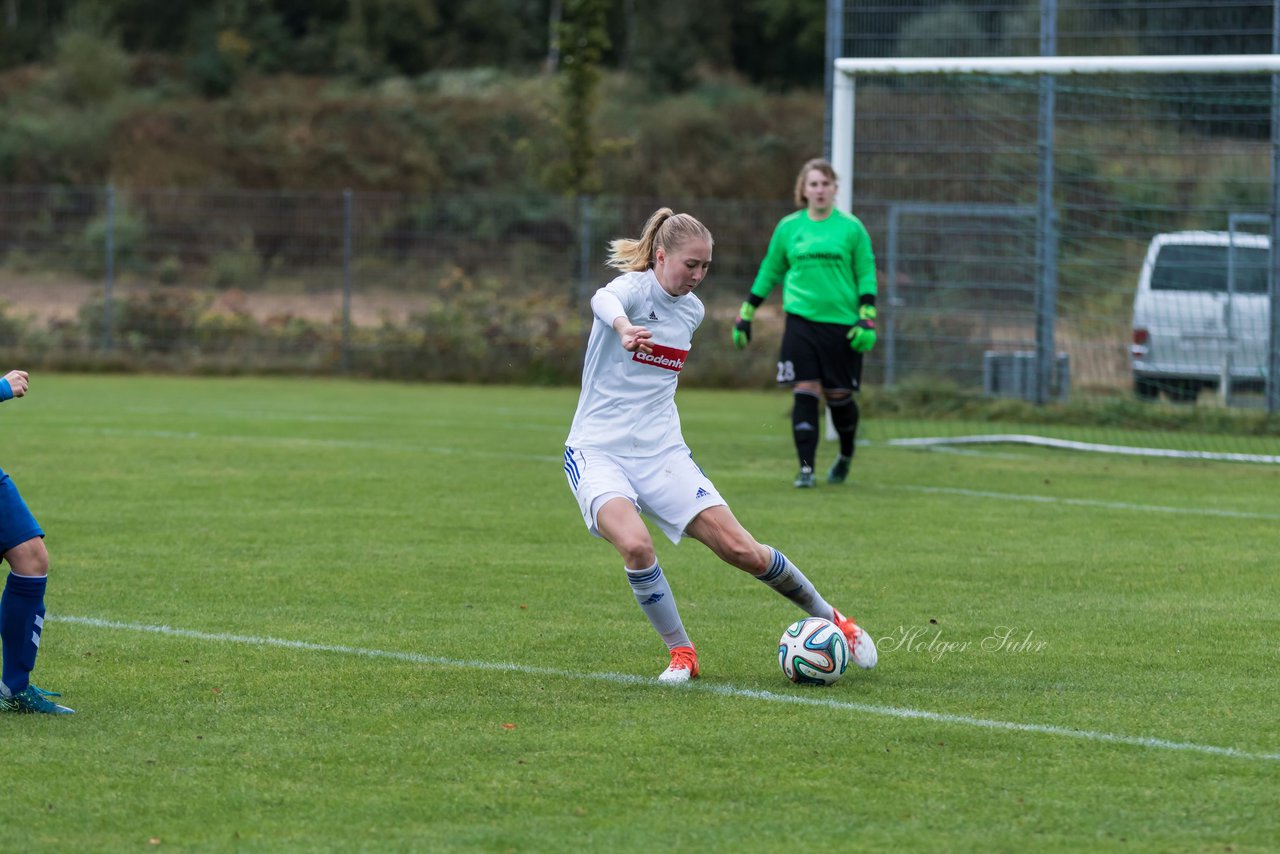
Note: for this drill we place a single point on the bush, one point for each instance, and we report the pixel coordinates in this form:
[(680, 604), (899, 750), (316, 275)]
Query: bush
[(127, 234), (12, 329), (91, 64), (226, 332), (19, 261), (169, 270), (236, 268), (158, 320)]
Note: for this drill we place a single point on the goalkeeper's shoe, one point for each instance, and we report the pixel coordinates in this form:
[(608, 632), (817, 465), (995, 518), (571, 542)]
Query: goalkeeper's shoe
[(683, 667), (33, 700), (839, 470), (861, 647), (805, 479)]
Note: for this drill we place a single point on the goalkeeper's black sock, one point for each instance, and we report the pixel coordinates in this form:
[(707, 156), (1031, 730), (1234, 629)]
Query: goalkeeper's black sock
[(804, 426), (844, 417)]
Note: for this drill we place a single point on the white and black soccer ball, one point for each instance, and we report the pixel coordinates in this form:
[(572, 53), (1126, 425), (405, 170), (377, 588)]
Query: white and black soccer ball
[(813, 651)]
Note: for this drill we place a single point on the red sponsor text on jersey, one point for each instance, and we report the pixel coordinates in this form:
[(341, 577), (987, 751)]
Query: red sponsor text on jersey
[(667, 358)]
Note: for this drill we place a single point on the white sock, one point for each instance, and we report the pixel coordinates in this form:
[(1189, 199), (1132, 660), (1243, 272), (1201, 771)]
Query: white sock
[(786, 578), (653, 593)]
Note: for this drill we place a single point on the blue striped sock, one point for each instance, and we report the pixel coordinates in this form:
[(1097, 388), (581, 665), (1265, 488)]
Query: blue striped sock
[(653, 593), (786, 578), (21, 619)]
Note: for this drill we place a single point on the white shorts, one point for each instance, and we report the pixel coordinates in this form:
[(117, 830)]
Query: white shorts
[(669, 488)]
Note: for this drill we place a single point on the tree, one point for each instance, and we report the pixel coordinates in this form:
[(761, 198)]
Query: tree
[(781, 43), (583, 39)]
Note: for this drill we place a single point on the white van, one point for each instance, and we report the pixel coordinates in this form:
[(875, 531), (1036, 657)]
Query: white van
[(1201, 313)]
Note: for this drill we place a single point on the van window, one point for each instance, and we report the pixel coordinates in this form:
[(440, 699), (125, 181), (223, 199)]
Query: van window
[(1180, 267)]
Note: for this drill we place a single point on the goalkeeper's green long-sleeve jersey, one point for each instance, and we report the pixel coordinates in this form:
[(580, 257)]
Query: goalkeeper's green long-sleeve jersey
[(826, 268)]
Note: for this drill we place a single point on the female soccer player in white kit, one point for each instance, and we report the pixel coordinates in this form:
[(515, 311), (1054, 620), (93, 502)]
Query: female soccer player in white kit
[(625, 454)]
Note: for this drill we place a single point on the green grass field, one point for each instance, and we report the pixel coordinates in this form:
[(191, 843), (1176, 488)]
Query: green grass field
[(334, 616)]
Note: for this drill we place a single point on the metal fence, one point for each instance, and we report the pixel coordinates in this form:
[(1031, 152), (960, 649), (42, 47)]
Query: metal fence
[(389, 284), (484, 289), (951, 168), (345, 281), (1100, 166)]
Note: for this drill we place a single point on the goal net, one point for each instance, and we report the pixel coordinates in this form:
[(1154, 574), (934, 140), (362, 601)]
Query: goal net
[(1088, 236)]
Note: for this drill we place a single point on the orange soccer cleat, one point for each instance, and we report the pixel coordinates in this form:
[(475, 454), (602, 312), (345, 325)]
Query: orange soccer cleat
[(683, 667)]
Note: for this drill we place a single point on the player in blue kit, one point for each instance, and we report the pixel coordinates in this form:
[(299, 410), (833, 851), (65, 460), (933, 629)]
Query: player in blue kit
[(22, 603), (625, 454)]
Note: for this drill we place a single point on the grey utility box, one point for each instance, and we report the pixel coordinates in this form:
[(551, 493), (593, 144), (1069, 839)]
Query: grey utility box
[(1013, 374)]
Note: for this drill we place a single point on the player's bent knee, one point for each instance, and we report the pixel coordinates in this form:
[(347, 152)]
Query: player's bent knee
[(637, 552), (639, 557), (30, 558)]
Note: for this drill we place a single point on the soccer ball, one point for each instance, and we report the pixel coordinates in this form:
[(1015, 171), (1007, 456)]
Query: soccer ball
[(813, 651)]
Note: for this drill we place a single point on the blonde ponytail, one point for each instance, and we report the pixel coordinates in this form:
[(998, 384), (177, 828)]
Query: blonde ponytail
[(664, 230)]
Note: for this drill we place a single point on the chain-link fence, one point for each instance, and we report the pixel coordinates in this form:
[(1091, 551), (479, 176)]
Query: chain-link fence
[(478, 288), (1078, 237), (495, 289), (956, 171)]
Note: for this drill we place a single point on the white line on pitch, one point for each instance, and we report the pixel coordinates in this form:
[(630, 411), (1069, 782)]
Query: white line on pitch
[(1083, 502), (723, 690), (312, 442)]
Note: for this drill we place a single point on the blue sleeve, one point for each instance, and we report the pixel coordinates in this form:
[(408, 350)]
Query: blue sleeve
[(6, 390)]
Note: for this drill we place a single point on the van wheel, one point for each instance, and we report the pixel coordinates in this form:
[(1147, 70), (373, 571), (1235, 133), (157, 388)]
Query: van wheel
[(1182, 391), (1145, 389)]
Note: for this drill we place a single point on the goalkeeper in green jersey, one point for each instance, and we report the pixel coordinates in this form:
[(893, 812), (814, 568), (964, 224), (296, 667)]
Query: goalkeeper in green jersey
[(822, 258)]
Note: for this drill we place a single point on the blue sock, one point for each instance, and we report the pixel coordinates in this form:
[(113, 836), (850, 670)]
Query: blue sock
[(21, 618)]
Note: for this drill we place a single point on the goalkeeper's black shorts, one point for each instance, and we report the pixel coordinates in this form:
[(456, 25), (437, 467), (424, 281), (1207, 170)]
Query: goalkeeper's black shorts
[(818, 352)]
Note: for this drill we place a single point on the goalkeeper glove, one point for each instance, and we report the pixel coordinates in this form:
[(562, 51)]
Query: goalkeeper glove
[(862, 337), (742, 329)]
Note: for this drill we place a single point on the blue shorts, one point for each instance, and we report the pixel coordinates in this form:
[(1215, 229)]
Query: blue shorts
[(17, 525)]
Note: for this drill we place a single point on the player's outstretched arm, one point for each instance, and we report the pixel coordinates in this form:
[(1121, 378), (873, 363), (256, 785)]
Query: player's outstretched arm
[(13, 384)]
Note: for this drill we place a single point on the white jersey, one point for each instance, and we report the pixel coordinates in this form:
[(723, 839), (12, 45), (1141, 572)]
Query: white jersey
[(628, 400)]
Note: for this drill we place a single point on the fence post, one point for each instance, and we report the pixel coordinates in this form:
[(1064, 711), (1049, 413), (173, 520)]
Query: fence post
[(891, 301), (835, 50), (584, 249), (346, 279), (1046, 218), (1272, 380), (109, 249)]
